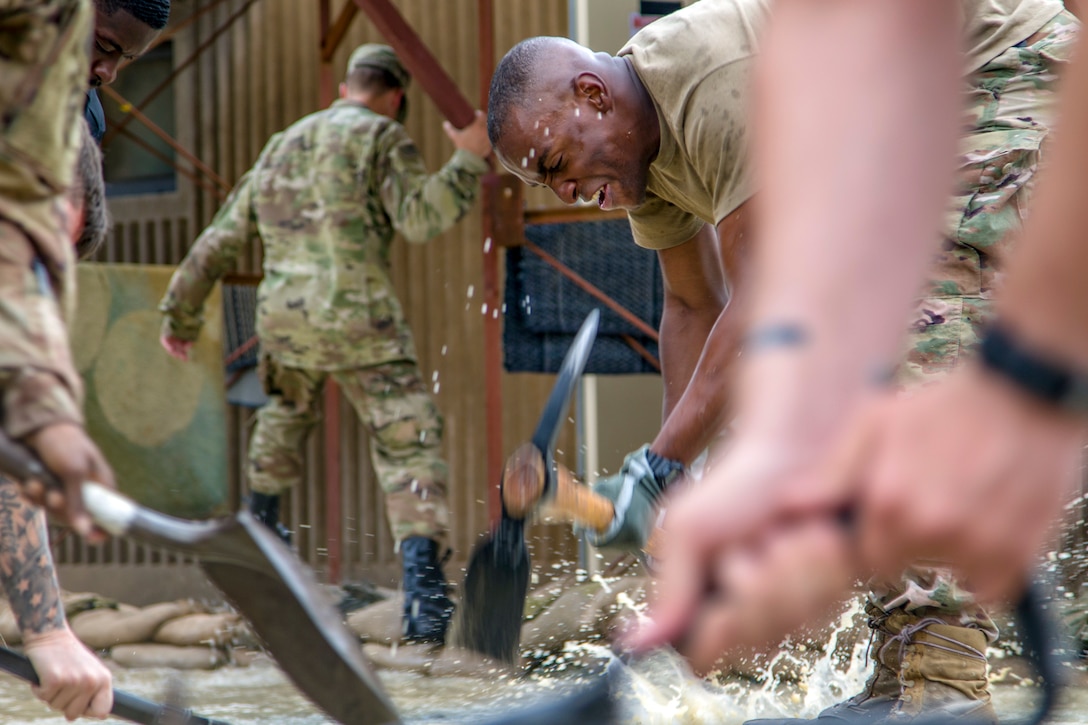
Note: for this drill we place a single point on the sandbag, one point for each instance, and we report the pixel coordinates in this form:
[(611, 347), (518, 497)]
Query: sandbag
[(105, 628), (380, 623), (427, 660), (199, 629), (167, 655)]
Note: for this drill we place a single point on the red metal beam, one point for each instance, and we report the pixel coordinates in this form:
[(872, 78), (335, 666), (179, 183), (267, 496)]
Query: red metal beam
[(127, 107), (333, 34), (413, 53), (187, 173), (493, 215), (589, 287), (334, 505)]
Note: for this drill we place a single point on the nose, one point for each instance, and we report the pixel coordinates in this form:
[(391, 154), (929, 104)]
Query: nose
[(105, 70), (567, 191)]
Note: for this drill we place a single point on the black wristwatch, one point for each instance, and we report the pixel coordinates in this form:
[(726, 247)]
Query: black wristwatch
[(1040, 377)]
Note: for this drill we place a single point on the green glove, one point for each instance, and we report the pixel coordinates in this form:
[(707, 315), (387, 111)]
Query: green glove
[(634, 492)]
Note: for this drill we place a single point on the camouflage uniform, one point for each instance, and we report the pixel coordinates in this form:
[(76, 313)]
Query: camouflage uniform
[(324, 199), (1011, 112), (43, 73)]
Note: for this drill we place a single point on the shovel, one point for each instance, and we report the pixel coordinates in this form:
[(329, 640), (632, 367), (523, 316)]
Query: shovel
[(497, 579), (264, 580), (126, 706)]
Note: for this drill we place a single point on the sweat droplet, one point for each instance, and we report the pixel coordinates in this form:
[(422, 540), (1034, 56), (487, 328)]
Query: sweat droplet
[(471, 290), (536, 125), (547, 130), (577, 111), (487, 244), (599, 116), (483, 310), (532, 153), (444, 349), (524, 162), (434, 376)]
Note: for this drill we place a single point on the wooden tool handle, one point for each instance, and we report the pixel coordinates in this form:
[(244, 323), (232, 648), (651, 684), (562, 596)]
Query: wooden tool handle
[(579, 502), (523, 491)]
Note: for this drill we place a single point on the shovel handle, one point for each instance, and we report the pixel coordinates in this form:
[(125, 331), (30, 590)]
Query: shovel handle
[(126, 706)]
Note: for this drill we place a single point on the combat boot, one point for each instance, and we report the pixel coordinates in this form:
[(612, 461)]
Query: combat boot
[(266, 509), (427, 606), (924, 667)]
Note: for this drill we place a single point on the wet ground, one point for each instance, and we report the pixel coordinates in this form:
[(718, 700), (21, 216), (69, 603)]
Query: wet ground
[(658, 693)]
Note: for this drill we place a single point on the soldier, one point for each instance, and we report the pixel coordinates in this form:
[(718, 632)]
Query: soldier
[(123, 31), (661, 130), (324, 199), (41, 84)]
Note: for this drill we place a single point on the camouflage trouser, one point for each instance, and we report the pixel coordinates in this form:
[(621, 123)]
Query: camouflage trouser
[(405, 430), (1012, 112)]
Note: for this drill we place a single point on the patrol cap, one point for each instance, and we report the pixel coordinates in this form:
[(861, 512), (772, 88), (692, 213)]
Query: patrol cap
[(376, 55)]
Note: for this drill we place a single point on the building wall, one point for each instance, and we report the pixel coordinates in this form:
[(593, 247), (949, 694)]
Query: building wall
[(252, 81)]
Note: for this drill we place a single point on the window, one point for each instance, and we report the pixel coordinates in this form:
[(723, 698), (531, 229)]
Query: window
[(130, 168)]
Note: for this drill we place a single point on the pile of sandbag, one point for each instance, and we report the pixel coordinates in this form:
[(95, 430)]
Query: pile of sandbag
[(559, 616), (183, 634)]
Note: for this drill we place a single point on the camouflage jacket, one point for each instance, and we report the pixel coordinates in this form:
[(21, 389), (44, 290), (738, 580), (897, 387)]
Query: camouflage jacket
[(44, 76), (42, 84), (324, 199), (38, 380)]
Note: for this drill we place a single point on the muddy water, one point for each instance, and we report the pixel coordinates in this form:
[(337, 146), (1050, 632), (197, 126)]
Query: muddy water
[(657, 692)]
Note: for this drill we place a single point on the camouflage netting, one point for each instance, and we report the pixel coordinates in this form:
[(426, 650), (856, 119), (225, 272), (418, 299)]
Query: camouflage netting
[(160, 422), (544, 309)]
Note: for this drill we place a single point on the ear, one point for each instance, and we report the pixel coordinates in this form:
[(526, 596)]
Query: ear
[(594, 90), (343, 90)]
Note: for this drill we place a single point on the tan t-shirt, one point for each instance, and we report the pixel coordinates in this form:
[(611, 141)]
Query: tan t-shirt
[(695, 64)]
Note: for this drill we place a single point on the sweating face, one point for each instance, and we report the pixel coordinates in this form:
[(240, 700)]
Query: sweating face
[(117, 38), (577, 151)]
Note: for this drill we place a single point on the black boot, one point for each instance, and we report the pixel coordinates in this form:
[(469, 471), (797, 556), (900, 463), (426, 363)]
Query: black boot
[(427, 606), (266, 509)]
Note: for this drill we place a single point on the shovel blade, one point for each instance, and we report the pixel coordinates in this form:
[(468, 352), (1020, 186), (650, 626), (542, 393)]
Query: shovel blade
[(300, 628), (493, 601)]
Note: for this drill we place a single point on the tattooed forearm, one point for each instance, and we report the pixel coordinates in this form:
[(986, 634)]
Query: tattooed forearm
[(26, 564)]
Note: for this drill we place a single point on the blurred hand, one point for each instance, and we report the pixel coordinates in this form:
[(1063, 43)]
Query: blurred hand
[(67, 451), (73, 680), (757, 592), (472, 137), (176, 347), (969, 471), (735, 551)]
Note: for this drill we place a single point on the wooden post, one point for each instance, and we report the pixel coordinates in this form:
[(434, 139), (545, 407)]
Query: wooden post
[(333, 498)]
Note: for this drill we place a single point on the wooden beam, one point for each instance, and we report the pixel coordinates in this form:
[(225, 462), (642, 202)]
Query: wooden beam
[(333, 35), (419, 61)]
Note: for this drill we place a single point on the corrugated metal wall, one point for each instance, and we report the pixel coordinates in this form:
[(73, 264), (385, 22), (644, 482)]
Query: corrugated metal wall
[(254, 80)]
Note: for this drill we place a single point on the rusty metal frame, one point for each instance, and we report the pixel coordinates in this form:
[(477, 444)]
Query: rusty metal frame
[(134, 112), (503, 217), (498, 211)]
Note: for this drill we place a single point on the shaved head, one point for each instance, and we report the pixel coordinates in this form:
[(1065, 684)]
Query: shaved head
[(530, 66)]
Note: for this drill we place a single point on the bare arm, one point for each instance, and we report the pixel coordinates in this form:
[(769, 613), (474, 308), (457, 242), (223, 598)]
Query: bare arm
[(842, 256), (695, 399), (72, 679)]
